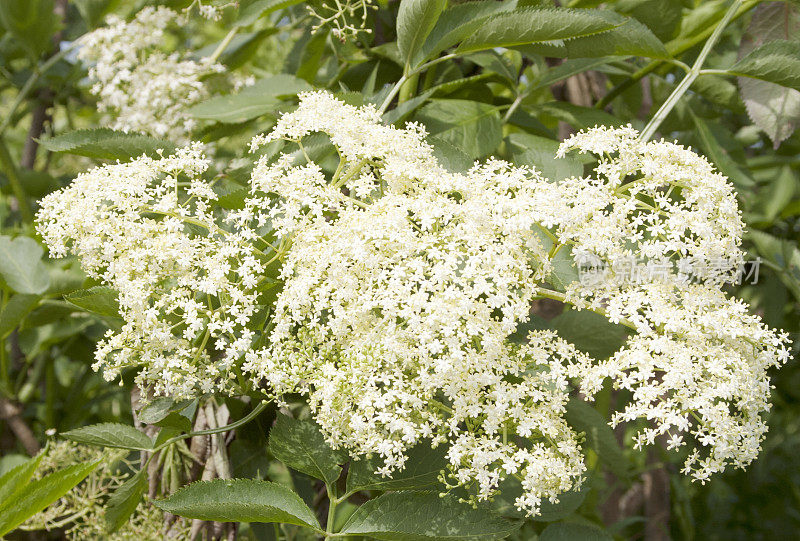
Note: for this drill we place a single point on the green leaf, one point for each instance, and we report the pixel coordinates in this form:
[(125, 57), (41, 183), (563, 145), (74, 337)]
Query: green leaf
[(576, 116), (539, 152), (781, 253), (590, 332), (417, 516), (100, 300), (251, 102), (773, 108), (631, 38), (111, 435), (472, 126), (572, 531), (31, 22), (252, 10), (584, 418), (564, 270), (15, 311), (719, 156), (21, 265), (415, 20), (458, 23), (775, 62), (107, 144), (421, 471), (239, 500), (511, 488), (124, 500), (38, 494), (523, 26), (17, 478), (160, 408), (93, 11), (300, 445), (450, 156), (779, 193)]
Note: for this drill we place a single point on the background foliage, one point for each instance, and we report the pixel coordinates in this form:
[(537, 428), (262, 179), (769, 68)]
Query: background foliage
[(513, 83)]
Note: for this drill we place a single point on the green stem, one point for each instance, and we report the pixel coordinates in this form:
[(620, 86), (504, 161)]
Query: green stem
[(332, 504), (223, 45), (7, 164), (396, 88), (687, 81), (409, 88), (675, 47)]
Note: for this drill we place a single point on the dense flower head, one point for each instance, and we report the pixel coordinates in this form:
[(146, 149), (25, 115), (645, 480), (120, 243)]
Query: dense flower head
[(402, 289), (145, 89)]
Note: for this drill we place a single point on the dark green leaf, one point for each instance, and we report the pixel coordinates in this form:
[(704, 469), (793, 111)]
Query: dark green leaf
[(21, 265), (523, 26), (576, 116), (415, 20), (38, 494), (590, 332), (511, 488), (107, 144), (110, 435), (421, 471), (599, 435), (450, 156), (100, 300), (539, 152), (417, 516), (300, 445), (719, 157), (458, 23), (471, 126), (239, 500), (124, 500)]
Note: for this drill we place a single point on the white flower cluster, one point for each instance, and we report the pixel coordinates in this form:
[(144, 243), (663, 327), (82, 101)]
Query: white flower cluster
[(403, 287), (698, 362), (145, 89), (148, 230)]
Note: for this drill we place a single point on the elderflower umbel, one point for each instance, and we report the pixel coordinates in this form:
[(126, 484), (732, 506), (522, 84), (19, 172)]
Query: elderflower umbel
[(186, 287), (403, 286), (145, 89)]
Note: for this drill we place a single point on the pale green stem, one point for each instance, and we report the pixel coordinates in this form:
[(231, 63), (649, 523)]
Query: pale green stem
[(406, 76), (223, 45), (687, 81)]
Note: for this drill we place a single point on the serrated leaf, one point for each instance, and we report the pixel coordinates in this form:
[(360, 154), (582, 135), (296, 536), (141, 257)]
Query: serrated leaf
[(301, 446), (564, 270), (107, 144), (415, 20), (472, 126), (450, 156), (456, 24), (570, 531), (17, 478), (38, 494), (124, 500), (523, 26), (590, 332), (421, 471), (21, 265), (772, 107), (100, 300), (584, 418), (417, 516), (15, 310), (775, 62), (239, 500), (631, 38), (111, 435)]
